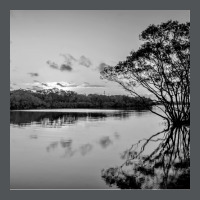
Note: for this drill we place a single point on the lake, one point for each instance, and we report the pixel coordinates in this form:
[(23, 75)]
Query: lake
[(68, 148)]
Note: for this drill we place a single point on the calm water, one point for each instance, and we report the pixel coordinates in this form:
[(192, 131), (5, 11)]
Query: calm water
[(68, 148)]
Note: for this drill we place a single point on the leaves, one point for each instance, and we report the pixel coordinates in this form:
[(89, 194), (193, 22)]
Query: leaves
[(161, 65)]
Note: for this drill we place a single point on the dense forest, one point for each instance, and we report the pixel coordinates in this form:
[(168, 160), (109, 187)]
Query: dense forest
[(54, 98)]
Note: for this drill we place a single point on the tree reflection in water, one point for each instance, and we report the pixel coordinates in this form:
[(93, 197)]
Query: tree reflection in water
[(166, 167), (59, 119)]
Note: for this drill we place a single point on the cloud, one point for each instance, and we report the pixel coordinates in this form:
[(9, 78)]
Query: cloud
[(97, 85), (84, 85), (85, 61), (64, 84), (102, 66), (44, 84), (65, 67), (73, 85), (33, 74), (88, 85), (36, 85), (68, 57), (61, 85), (37, 88), (52, 65), (68, 62)]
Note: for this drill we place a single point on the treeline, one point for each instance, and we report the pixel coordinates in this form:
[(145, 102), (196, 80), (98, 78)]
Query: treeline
[(54, 98)]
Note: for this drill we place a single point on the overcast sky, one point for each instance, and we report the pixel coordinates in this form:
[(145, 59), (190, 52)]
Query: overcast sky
[(67, 49)]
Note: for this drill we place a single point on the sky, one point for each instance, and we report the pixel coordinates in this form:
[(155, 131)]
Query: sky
[(66, 49)]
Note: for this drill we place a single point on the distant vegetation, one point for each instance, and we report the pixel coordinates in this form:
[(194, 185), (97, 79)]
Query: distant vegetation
[(54, 98)]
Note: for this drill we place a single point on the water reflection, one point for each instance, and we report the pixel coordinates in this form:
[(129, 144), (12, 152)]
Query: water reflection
[(66, 143), (83, 149), (59, 119), (105, 141), (87, 142), (54, 119), (33, 136), (52, 146), (167, 166), (69, 150), (116, 135)]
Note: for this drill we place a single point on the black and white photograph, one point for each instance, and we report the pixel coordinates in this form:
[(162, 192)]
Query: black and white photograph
[(99, 99)]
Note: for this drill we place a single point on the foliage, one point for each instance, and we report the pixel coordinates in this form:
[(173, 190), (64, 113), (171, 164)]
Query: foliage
[(162, 66), (27, 99)]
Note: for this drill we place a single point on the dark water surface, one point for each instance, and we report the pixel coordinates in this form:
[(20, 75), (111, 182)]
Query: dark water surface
[(68, 148)]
